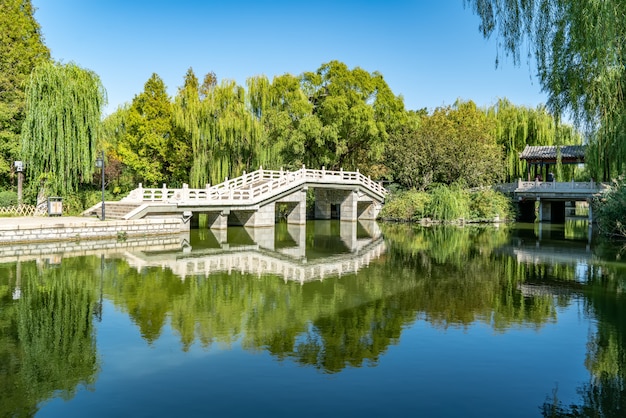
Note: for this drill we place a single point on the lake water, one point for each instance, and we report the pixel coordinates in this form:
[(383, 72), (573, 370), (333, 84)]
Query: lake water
[(332, 319)]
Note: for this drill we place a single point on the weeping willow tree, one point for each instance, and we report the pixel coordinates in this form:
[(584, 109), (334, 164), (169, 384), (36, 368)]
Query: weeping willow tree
[(518, 126), (580, 50), (264, 101), (62, 126), (227, 136)]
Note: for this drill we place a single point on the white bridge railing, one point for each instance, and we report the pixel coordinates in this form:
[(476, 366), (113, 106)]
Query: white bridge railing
[(589, 187), (252, 261), (255, 186)]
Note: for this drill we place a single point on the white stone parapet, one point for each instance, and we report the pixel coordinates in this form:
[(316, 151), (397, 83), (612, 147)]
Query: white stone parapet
[(252, 188)]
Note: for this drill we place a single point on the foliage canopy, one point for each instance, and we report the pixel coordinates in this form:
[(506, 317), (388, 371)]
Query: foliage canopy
[(21, 49), (579, 47), (62, 125)]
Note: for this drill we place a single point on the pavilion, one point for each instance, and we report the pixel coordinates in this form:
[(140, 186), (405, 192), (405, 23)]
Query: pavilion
[(540, 158)]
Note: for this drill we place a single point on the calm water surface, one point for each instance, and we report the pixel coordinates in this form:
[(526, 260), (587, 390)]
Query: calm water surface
[(331, 319)]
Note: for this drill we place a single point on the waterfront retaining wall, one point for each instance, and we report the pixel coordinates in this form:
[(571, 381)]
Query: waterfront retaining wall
[(55, 251), (34, 232)]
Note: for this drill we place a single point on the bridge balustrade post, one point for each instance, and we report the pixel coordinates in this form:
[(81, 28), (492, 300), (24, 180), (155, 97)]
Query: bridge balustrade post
[(185, 194), (164, 192), (140, 191)]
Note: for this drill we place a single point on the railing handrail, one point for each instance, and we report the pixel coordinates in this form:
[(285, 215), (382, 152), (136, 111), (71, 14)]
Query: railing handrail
[(557, 186), (254, 186)]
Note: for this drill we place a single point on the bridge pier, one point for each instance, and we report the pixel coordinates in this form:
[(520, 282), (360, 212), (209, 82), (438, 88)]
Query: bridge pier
[(551, 211), (322, 204), (345, 201), (348, 207), (218, 220), (265, 216), (368, 211), (297, 212)]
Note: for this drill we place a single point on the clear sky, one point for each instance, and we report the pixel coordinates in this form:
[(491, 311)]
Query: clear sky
[(429, 51)]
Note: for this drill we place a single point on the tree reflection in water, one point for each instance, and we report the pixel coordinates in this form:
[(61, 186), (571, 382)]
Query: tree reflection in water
[(47, 343), (447, 276), (605, 394)]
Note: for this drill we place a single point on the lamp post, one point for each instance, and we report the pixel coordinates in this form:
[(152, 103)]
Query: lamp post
[(100, 165), (19, 168)]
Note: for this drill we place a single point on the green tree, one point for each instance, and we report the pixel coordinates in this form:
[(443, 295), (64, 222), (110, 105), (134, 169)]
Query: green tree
[(147, 141), (21, 49), (357, 111), (518, 126), (579, 47), (453, 144), (118, 179), (62, 126), (226, 135)]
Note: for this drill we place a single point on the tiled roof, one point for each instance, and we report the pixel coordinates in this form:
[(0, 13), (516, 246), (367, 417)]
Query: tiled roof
[(568, 152)]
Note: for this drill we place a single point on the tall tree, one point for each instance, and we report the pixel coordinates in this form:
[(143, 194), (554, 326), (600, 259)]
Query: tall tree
[(287, 116), (62, 125), (146, 143), (21, 49), (580, 48), (357, 110), (518, 126), (227, 136)]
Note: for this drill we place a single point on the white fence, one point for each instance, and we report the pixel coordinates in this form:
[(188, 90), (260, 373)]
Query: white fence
[(23, 210)]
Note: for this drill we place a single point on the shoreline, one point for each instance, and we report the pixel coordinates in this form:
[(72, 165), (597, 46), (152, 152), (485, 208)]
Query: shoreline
[(41, 229)]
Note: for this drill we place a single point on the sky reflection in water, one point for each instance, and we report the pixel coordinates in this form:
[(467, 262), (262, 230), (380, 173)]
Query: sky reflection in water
[(478, 321)]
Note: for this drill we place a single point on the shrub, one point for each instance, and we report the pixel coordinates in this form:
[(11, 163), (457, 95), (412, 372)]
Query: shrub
[(487, 204), (8, 198), (449, 203), (406, 206), (610, 211), (76, 203)]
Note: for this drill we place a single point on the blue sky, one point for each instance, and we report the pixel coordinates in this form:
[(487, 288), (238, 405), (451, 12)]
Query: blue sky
[(428, 51)]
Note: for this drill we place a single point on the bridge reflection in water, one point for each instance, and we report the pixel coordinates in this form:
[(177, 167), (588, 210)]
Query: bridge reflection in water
[(335, 248)]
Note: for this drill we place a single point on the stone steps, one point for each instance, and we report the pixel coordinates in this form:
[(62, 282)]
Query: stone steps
[(112, 210)]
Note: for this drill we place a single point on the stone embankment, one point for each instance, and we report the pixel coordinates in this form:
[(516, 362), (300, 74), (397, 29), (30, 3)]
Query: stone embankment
[(50, 234)]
